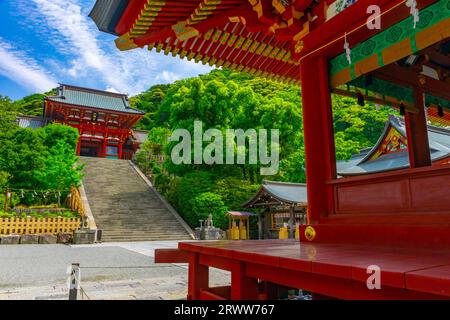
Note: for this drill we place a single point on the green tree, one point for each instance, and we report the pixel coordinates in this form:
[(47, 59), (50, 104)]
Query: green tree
[(22, 155), (55, 133), (234, 191), (206, 204), (32, 105), (36, 159), (61, 171), (4, 180)]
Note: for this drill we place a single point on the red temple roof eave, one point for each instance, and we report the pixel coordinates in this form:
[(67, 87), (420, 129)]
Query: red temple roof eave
[(337, 26), (140, 114), (128, 18)]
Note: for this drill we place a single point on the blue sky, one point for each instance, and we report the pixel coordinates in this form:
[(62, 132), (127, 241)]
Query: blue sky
[(46, 42)]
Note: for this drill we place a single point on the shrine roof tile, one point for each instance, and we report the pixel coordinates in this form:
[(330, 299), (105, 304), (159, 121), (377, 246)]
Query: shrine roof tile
[(94, 99), (31, 122), (284, 192)]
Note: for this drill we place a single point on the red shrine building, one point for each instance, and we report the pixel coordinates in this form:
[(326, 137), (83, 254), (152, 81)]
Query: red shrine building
[(104, 121), (398, 220)]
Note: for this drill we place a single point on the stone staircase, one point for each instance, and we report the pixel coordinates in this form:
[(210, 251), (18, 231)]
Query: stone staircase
[(125, 208)]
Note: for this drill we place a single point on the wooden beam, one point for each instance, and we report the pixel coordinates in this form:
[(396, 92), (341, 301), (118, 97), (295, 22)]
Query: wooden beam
[(388, 100), (406, 77), (417, 133), (171, 256), (436, 57)]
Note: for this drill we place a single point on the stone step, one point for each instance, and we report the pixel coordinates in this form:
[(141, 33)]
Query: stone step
[(124, 206), (139, 222), (126, 239), (141, 232), (146, 235), (137, 217), (134, 213), (142, 228)]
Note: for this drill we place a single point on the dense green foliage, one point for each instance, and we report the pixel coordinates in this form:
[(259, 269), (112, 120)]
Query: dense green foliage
[(228, 100), (30, 105), (32, 162)]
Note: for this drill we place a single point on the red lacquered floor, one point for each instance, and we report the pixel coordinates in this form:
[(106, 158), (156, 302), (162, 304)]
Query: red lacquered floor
[(336, 270)]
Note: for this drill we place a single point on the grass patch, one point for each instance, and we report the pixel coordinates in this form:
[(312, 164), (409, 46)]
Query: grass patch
[(35, 214)]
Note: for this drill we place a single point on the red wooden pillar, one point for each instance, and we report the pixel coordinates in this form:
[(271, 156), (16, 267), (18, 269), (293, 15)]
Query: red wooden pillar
[(120, 149), (79, 146), (319, 137), (198, 277), (242, 286), (105, 145), (417, 132)]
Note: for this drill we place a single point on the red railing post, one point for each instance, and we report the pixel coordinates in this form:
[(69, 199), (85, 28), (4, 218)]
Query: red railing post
[(198, 277), (242, 286)]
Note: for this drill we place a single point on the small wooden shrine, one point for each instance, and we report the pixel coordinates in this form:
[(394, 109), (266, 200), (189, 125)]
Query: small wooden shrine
[(238, 225), (280, 203)]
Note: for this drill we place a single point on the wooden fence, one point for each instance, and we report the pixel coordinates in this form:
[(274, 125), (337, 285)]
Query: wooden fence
[(38, 226), (76, 203)]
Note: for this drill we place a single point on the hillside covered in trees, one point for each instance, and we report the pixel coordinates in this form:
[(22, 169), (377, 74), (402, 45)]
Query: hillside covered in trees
[(221, 99)]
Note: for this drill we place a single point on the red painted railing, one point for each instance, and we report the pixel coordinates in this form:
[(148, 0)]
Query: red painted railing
[(423, 191)]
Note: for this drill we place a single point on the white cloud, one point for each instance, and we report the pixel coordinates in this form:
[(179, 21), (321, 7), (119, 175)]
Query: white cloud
[(65, 20), (167, 76), (113, 90), (17, 66), (92, 56)]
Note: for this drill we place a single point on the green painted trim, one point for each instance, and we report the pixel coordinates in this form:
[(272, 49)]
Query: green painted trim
[(388, 89), (352, 72), (380, 59), (385, 88), (429, 99), (413, 44), (404, 29)]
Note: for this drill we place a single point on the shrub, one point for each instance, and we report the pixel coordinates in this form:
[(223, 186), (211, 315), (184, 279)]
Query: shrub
[(188, 188), (234, 191), (205, 204)]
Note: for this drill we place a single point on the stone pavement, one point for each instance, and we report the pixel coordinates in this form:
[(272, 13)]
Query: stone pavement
[(114, 271)]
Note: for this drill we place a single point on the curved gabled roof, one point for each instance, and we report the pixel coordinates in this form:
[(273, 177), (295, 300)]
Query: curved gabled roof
[(85, 97), (283, 192), (363, 163)]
